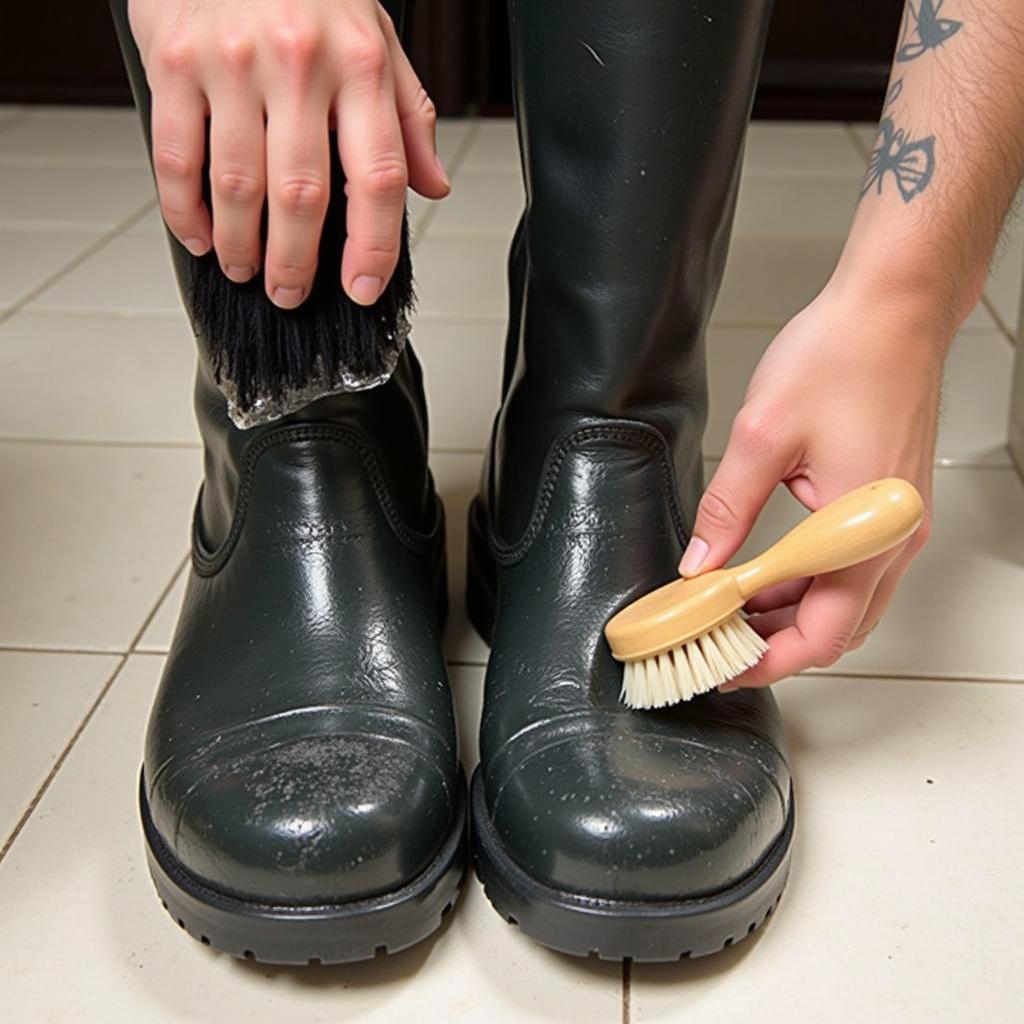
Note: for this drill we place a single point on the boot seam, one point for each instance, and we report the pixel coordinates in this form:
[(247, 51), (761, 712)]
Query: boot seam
[(646, 437), (209, 563)]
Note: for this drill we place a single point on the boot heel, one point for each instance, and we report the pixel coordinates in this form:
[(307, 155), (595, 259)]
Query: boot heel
[(481, 596)]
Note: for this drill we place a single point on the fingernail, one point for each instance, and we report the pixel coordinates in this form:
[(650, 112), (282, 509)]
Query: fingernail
[(288, 298), (197, 246), (442, 171), (728, 688), (693, 557), (239, 274), (366, 290)]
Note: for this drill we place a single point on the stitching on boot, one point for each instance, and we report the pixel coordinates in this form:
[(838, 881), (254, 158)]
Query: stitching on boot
[(646, 437), (210, 563)]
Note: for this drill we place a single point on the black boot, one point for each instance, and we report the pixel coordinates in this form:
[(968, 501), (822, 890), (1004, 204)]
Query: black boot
[(300, 793), (649, 835)]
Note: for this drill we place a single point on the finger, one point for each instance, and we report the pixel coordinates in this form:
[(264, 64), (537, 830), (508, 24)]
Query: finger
[(179, 145), (237, 162), (373, 159), (826, 621), (778, 596), (417, 117), (298, 187), (883, 595), (755, 461)]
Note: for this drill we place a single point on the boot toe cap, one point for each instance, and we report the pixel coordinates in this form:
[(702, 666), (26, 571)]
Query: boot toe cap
[(317, 819), (634, 815)]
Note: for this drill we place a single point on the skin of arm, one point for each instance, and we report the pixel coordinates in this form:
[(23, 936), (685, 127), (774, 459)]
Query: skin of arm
[(849, 389)]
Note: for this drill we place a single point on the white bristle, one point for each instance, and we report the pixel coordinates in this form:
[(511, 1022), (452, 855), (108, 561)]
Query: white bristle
[(692, 668)]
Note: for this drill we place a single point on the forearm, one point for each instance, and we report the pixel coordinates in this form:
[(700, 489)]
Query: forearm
[(946, 162)]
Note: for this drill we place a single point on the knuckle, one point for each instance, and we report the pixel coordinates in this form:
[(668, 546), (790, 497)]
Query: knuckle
[(294, 269), (237, 52), (176, 55), (301, 195), (831, 651), (295, 43), (387, 180), (170, 163), (716, 509), (756, 429), (366, 55), (424, 107), (237, 187)]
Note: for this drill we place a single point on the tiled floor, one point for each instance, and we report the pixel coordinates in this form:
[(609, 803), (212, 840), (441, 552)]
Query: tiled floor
[(905, 898)]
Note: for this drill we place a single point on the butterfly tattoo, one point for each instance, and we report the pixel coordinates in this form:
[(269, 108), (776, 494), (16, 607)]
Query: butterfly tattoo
[(910, 163), (928, 31)]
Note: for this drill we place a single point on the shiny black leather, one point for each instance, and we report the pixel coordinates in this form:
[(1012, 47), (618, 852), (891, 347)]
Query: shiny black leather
[(301, 748), (631, 121)]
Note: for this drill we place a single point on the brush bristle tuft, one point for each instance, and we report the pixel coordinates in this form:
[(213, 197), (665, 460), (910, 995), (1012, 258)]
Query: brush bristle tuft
[(693, 668)]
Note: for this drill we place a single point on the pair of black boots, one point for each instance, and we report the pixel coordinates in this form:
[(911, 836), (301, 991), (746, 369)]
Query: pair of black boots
[(301, 791)]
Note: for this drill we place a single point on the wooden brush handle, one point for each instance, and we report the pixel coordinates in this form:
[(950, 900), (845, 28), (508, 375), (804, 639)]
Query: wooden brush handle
[(851, 529)]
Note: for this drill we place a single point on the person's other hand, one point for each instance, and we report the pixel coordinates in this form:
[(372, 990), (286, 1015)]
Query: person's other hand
[(846, 393), (273, 76)]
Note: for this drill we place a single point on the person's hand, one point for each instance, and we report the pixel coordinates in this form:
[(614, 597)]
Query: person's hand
[(846, 393), (273, 76)]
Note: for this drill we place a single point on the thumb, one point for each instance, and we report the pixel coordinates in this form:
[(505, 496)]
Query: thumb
[(753, 465)]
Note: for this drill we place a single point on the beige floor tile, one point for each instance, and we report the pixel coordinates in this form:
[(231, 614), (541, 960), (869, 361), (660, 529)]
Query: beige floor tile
[(70, 198), (84, 936), (10, 113), (29, 258), (97, 379), (482, 204), (957, 611), (494, 147), (89, 536), (768, 280), (865, 134), (45, 696), (975, 402), (804, 148), (1006, 277), (462, 368), (131, 275), (771, 206), (83, 136), (156, 639), (904, 901), (452, 133), (460, 278)]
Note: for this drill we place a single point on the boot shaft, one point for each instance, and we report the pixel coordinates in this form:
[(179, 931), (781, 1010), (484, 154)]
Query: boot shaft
[(631, 123)]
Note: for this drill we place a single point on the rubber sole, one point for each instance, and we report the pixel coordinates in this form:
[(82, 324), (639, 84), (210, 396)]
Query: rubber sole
[(299, 934), (640, 930)]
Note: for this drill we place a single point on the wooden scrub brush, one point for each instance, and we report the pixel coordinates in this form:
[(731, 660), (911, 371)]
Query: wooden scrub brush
[(690, 636)]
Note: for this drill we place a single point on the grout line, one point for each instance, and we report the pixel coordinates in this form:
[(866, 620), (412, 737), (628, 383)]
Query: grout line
[(994, 313), (93, 708), (627, 989), (98, 652), (909, 674), (84, 442), (76, 261), (61, 758)]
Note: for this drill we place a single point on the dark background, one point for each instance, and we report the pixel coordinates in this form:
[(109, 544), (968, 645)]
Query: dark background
[(824, 59)]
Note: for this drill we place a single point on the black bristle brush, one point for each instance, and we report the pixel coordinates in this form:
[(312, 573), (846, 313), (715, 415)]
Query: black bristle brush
[(266, 358)]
